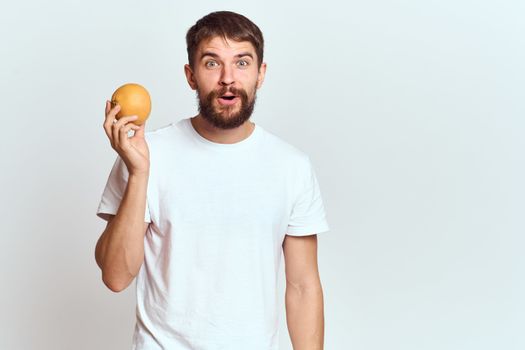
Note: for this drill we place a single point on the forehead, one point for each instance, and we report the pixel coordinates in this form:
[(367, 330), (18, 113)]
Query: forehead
[(225, 47)]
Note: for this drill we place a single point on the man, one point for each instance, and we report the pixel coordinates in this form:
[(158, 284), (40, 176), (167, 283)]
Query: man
[(200, 210)]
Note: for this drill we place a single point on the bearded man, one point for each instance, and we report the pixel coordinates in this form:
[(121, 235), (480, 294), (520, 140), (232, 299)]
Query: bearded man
[(199, 212)]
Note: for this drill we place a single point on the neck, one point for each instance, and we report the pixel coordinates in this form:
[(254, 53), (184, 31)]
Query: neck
[(217, 135)]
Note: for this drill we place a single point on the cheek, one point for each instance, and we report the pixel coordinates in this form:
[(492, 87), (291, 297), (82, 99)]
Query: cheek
[(207, 79), (249, 81)]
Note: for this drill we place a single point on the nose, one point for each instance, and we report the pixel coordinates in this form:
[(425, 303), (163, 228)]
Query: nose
[(227, 76)]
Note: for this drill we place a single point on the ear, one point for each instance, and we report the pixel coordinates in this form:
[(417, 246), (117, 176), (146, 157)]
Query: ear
[(260, 76), (190, 77)]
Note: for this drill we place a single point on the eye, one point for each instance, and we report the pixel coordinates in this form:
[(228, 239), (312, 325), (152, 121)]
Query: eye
[(211, 64), (243, 63)]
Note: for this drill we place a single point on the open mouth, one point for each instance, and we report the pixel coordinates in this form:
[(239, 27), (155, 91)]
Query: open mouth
[(228, 100)]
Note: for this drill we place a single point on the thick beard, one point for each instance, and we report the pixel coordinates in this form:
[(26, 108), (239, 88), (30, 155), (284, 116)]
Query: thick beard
[(231, 120)]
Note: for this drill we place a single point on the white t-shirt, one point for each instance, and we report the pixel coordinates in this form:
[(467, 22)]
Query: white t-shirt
[(218, 216)]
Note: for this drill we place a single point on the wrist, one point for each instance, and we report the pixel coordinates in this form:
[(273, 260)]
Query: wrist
[(139, 175)]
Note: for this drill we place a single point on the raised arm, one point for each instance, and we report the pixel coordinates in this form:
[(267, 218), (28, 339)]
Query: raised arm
[(120, 249)]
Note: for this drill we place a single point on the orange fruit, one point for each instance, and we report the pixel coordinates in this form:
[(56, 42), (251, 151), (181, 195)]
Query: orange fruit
[(133, 99)]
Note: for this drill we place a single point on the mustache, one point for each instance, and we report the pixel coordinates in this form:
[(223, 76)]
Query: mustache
[(225, 89)]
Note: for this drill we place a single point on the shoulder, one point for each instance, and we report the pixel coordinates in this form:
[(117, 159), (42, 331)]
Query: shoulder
[(285, 150), (159, 133), (164, 133)]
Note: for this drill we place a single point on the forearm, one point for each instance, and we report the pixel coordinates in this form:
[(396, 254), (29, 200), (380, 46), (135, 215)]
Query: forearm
[(120, 250), (305, 317)]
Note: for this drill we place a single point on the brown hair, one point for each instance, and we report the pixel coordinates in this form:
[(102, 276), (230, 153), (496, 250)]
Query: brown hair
[(228, 25)]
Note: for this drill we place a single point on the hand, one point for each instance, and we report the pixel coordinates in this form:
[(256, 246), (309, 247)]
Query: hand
[(133, 150)]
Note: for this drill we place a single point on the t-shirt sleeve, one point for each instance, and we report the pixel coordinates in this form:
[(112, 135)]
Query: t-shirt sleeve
[(114, 191), (308, 215)]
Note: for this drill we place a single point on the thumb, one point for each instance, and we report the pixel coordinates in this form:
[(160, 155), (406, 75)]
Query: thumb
[(140, 131)]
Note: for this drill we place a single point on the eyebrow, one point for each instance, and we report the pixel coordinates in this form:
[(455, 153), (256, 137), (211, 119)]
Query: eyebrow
[(214, 55)]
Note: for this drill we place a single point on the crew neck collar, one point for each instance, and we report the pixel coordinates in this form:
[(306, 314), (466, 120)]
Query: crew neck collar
[(243, 143)]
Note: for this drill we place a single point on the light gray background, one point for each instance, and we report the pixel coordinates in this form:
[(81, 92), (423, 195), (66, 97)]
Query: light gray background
[(412, 112)]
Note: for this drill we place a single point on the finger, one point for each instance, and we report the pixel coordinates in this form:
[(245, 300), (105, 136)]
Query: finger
[(123, 135), (125, 120), (111, 116), (121, 122), (113, 111), (109, 120), (135, 129)]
